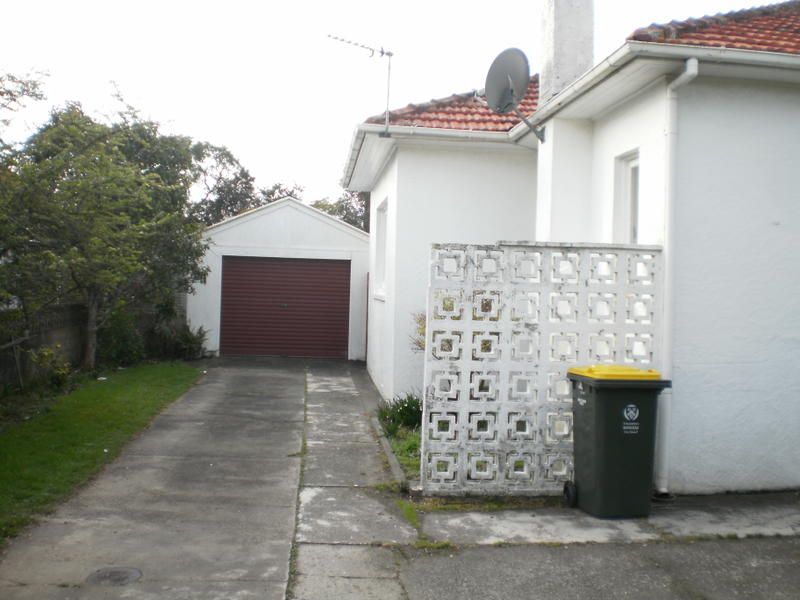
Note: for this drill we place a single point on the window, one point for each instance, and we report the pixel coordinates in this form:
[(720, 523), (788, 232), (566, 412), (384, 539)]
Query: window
[(380, 248), (626, 199)]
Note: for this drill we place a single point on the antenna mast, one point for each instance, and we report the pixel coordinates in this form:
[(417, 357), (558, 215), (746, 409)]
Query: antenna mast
[(381, 52)]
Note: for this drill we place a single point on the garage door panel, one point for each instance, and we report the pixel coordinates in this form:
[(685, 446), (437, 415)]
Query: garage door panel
[(288, 307)]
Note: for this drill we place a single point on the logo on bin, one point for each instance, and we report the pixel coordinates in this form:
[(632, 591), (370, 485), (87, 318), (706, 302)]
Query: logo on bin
[(631, 412), (630, 424)]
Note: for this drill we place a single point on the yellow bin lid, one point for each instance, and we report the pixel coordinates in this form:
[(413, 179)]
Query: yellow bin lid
[(616, 372)]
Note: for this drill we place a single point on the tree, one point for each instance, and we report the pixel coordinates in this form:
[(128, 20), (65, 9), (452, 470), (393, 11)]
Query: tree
[(91, 206), (170, 157), (14, 91), (279, 190), (227, 188), (351, 207)]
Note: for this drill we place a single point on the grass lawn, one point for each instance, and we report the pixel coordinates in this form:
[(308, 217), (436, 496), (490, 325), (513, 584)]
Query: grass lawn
[(43, 459), (405, 443)]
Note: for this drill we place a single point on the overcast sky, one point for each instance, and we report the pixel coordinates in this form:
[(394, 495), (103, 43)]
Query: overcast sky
[(263, 78)]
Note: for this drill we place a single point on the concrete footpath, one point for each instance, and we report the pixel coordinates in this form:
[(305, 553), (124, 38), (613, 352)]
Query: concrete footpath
[(267, 480), (353, 542)]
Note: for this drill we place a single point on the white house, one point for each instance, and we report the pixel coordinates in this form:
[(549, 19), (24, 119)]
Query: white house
[(446, 173), (285, 279), (686, 137)]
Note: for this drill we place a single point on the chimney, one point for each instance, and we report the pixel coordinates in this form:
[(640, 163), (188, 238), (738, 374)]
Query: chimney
[(568, 44)]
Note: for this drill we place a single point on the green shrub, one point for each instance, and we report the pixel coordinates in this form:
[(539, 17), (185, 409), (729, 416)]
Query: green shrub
[(119, 341), (51, 366), (174, 339), (404, 411)]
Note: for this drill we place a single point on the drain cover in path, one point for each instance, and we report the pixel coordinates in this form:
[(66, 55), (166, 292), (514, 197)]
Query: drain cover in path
[(114, 576)]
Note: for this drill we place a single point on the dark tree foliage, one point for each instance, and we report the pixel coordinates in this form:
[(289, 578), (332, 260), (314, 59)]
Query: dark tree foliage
[(98, 213), (226, 188), (169, 157), (14, 92), (279, 190), (351, 207), (109, 215)]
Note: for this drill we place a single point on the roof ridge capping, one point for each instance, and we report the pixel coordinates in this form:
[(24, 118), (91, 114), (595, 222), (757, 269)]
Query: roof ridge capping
[(432, 103), (661, 32), (474, 94)]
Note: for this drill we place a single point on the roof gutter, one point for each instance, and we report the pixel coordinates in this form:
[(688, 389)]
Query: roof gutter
[(675, 52), (404, 132), (352, 159), (601, 71)]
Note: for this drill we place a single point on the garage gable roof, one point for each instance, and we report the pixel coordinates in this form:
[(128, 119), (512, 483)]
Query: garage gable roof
[(292, 203)]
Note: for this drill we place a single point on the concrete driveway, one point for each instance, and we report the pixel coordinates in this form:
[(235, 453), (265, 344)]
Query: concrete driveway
[(201, 505), (207, 503)]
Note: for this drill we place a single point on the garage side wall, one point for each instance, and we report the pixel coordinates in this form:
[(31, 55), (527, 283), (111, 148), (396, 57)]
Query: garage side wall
[(286, 229)]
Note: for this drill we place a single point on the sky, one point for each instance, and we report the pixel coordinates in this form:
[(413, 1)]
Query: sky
[(264, 79)]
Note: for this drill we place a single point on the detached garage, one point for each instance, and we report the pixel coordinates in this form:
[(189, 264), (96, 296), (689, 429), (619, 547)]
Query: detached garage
[(285, 280)]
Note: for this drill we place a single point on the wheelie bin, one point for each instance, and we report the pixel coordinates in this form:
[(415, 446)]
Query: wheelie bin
[(614, 412)]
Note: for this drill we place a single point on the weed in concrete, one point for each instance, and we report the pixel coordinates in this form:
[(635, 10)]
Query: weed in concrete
[(292, 572), (391, 487), (292, 579), (669, 538), (385, 462), (486, 504), (303, 448), (426, 544), (409, 511)]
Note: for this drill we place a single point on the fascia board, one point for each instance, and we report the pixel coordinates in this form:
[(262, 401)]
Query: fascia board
[(399, 133), (673, 52), (288, 202)]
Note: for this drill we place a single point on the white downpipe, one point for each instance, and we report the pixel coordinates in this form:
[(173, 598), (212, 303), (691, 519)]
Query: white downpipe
[(665, 402)]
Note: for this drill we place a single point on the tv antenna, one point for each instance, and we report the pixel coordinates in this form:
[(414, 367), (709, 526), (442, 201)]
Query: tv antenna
[(381, 52), (507, 83)]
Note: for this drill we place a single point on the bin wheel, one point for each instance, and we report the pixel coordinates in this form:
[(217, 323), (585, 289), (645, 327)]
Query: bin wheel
[(570, 494)]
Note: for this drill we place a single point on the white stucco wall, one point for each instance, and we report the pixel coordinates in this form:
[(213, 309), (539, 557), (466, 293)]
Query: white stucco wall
[(564, 186), (445, 192), (736, 325), (577, 171), (636, 125), (284, 229), (380, 344), (736, 416)]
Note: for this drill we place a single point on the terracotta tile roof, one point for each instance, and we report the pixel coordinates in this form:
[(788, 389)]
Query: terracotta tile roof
[(461, 111), (773, 28)]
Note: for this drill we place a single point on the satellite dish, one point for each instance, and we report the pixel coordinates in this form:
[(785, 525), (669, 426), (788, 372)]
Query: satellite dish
[(507, 83), (507, 80)]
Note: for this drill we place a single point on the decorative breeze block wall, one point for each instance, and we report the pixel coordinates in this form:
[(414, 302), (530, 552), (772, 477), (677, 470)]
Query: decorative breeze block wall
[(504, 323)]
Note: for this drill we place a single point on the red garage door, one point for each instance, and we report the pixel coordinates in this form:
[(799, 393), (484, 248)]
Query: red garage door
[(285, 306)]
